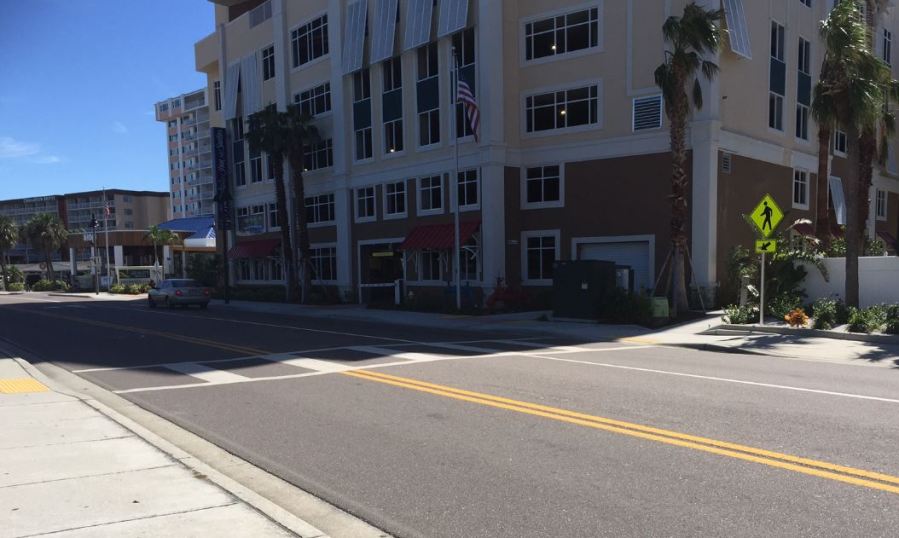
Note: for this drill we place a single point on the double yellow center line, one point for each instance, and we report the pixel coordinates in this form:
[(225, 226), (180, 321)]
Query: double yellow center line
[(821, 469)]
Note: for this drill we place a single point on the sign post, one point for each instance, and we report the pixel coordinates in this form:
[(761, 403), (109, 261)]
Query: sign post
[(223, 199), (766, 216)]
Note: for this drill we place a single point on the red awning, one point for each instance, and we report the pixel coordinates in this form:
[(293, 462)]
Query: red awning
[(259, 248), (438, 236), (805, 229)]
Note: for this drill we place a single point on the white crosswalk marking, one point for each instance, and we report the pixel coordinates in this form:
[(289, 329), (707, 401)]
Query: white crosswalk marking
[(317, 365), (211, 375)]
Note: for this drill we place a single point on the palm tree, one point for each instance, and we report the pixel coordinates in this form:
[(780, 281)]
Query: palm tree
[(47, 233), (300, 134), (855, 93), (9, 236), (160, 236), (691, 37), (823, 114), (267, 132)]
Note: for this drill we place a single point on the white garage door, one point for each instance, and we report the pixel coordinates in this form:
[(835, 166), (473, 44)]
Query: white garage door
[(632, 253)]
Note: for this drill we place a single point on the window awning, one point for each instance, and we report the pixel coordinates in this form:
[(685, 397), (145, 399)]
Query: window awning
[(384, 35), (354, 36), (418, 23), (737, 29), (260, 248), (232, 79), (251, 84), (439, 236), (805, 229), (453, 17), (838, 199)]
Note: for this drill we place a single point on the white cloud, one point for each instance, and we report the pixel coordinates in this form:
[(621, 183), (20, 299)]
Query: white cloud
[(46, 159), (11, 148), (119, 127)]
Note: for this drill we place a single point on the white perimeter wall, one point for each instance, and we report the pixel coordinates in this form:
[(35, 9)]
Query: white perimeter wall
[(878, 279)]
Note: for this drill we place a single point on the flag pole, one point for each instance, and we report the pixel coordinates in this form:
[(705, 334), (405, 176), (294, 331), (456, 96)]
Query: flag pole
[(106, 232), (456, 239)]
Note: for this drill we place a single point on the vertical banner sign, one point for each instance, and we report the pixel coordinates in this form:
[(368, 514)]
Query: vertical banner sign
[(222, 190)]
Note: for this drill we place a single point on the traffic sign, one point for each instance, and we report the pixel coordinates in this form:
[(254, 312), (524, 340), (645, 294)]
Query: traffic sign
[(766, 216), (768, 246)]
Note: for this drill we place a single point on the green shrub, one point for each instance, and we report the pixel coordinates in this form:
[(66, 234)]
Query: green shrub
[(783, 304), (16, 286), (877, 316), (740, 315), (619, 306), (825, 313), (860, 321), (132, 289), (47, 285), (14, 274), (117, 288)]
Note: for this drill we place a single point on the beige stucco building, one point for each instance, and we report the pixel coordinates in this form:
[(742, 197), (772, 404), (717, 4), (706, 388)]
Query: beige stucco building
[(572, 158)]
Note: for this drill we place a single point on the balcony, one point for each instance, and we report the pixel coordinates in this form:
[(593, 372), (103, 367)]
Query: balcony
[(206, 53)]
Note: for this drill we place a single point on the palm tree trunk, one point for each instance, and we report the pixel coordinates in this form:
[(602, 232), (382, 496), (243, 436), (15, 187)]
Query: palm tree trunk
[(867, 154), (287, 249), (679, 209), (49, 256), (3, 268), (302, 225), (822, 209), (853, 232)]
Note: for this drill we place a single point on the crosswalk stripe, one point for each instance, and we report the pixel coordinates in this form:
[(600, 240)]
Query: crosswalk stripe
[(317, 365), (210, 375)]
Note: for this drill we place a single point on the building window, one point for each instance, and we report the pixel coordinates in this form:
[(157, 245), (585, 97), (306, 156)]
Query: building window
[(777, 82), (393, 105), (309, 41), (268, 62), (540, 256), (430, 194), (562, 34), (803, 90), (562, 109), (315, 101), (319, 155), (429, 266), (395, 199), (881, 205), (255, 166), (273, 222), (468, 188), (543, 185), (800, 189), (465, 50), (324, 263), (887, 46), (251, 219), (393, 136), (362, 114), (320, 208), (237, 152), (806, 3), (365, 203), (801, 121), (428, 91), (839, 142)]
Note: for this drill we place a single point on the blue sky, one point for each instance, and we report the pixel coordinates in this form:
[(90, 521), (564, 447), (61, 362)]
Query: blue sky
[(78, 81)]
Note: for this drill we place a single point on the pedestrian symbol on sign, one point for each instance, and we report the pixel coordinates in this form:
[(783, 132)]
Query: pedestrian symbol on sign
[(766, 216)]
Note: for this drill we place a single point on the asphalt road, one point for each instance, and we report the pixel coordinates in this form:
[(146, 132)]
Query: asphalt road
[(427, 432)]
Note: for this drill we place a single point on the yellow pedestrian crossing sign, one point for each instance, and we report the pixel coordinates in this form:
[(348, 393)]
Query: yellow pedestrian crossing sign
[(766, 216), (768, 246)]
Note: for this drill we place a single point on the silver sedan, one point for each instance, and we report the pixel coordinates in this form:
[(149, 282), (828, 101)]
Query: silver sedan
[(179, 292)]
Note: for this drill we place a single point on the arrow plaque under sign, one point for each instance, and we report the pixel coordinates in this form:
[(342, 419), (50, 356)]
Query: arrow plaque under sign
[(768, 246)]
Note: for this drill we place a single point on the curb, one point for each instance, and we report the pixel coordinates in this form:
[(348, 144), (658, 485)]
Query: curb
[(85, 296), (268, 508), (806, 333)]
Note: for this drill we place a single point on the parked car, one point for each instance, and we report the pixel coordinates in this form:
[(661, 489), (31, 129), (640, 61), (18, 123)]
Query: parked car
[(178, 291)]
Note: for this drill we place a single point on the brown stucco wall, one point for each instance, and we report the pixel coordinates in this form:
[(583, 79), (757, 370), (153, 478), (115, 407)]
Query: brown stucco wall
[(741, 190)]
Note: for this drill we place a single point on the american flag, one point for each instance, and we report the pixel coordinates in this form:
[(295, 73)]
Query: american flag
[(466, 97), (106, 209)]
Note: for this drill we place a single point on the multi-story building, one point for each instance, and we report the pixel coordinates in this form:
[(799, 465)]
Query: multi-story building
[(129, 211), (572, 161), (190, 153)]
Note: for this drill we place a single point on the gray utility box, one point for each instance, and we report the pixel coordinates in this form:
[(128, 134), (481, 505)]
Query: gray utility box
[(579, 286)]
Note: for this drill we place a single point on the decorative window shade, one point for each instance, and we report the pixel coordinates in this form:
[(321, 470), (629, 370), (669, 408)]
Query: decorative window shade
[(418, 23), (251, 84), (838, 199), (737, 29), (453, 17), (384, 35), (232, 79), (354, 36), (647, 113)]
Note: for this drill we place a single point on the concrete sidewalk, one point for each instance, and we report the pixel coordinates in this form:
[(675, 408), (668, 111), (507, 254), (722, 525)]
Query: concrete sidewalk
[(68, 469), (696, 334)]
